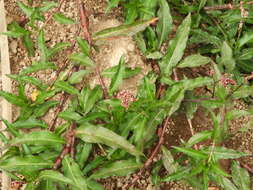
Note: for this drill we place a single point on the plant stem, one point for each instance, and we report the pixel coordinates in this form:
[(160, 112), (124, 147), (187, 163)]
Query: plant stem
[(154, 153)]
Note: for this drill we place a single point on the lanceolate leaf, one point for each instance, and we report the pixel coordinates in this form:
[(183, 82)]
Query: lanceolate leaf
[(13, 99), (192, 153), (194, 61), (227, 57), (96, 134), (30, 123), (88, 98), (129, 72), (224, 153), (168, 161), (243, 92), (28, 43), (176, 47), (199, 137), (27, 79), (164, 25), (123, 30), (82, 59), (62, 19), (42, 46), (38, 138), (37, 66), (118, 77), (21, 163), (55, 176), (118, 168), (83, 45), (66, 87), (58, 47), (73, 172), (240, 176), (77, 76)]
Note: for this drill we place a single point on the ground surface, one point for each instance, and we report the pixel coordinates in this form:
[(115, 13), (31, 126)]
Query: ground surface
[(108, 56)]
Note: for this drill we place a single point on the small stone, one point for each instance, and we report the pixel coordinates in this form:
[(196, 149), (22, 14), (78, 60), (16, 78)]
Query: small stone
[(14, 46)]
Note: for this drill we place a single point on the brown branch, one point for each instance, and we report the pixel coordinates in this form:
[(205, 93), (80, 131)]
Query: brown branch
[(85, 28), (60, 107), (152, 156), (68, 148), (247, 167), (84, 21), (225, 6)]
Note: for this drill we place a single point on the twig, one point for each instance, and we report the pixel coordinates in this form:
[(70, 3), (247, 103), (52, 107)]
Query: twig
[(152, 156), (247, 167), (63, 100), (85, 28), (219, 7), (84, 21), (192, 131), (225, 6), (68, 148)]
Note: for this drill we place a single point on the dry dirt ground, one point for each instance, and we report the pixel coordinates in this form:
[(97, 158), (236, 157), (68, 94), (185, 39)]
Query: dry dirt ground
[(109, 55)]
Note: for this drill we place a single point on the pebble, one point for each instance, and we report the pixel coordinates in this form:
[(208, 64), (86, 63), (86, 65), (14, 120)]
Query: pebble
[(14, 46)]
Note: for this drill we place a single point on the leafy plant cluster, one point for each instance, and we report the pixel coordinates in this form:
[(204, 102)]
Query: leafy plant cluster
[(110, 139)]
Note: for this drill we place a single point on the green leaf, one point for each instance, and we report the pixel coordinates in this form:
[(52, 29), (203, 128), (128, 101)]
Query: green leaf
[(176, 47), (38, 66), (28, 43), (164, 26), (192, 153), (72, 171), (99, 160), (247, 37), (199, 137), (27, 79), (83, 152), (70, 115), (154, 55), (180, 174), (27, 10), (38, 138), (240, 176), (47, 5), (13, 34), (227, 184), (58, 47), (224, 153), (13, 99), (96, 134), (118, 168), (88, 98), (194, 60), (25, 163), (118, 77), (30, 123), (123, 30), (168, 161), (30, 186), (77, 77), (243, 92), (227, 57), (55, 176), (62, 19), (82, 59), (42, 109), (42, 46), (129, 72), (83, 45), (65, 86)]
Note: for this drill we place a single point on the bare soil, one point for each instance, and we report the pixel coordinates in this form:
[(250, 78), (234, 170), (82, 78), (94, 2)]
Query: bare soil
[(109, 55)]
